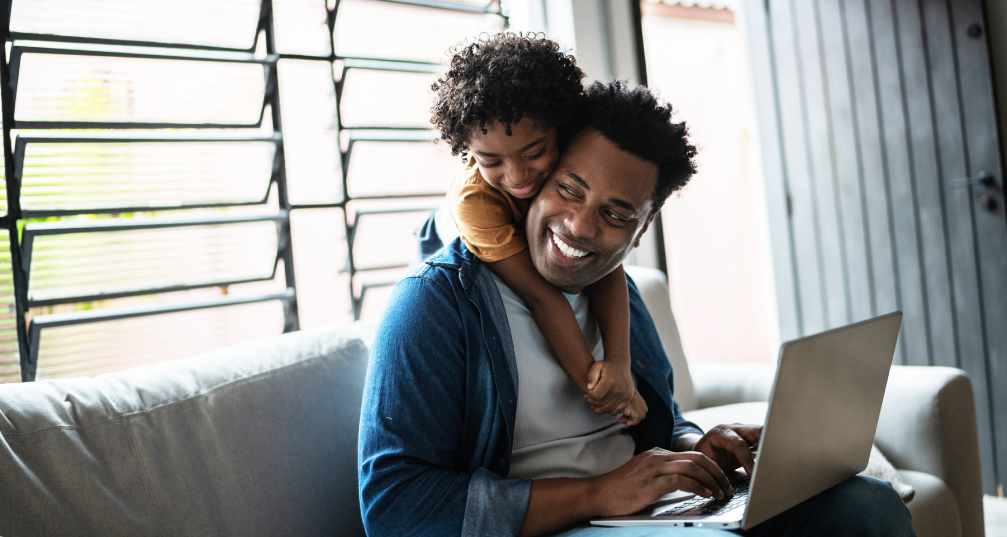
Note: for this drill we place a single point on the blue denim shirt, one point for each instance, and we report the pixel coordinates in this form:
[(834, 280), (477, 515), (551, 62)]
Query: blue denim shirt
[(437, 420)]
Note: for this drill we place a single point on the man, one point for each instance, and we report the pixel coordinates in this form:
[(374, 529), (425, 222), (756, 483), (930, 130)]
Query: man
[(470, 427)]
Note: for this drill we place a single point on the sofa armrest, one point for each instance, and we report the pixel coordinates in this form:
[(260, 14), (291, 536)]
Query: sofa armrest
[(928, 424), (727, 383)]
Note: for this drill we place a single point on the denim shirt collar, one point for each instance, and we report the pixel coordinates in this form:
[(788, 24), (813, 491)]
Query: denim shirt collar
[(481, 290), (456, 256)]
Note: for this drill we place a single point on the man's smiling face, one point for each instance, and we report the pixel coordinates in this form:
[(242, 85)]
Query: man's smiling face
[(590, 213)]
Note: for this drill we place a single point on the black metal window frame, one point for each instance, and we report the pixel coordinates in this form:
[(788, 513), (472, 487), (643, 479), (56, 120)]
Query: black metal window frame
[(29, 335)]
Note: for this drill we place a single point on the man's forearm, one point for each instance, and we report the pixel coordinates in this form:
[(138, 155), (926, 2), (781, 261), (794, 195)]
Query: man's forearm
[(559, 502)]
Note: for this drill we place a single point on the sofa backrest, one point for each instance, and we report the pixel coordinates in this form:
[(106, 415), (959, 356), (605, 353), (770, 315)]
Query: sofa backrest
[(259, 439), (653, 288)]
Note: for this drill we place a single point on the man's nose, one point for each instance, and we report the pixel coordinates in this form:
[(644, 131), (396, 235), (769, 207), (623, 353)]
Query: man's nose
[(580, 223)]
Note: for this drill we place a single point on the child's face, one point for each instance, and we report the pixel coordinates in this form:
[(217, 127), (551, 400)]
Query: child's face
[(517, 164)]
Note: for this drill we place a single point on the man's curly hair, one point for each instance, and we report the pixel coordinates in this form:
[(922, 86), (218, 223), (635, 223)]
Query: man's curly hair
[(505, 77), (638, 122)]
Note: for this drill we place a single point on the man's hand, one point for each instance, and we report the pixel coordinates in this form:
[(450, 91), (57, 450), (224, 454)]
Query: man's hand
[(610, 389), (649, 475), (558, 502), (730, 446)]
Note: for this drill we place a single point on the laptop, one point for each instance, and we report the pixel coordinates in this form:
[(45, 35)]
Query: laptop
[(823, 413)]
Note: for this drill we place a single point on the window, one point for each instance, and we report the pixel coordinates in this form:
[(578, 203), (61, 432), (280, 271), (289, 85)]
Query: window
[(238, 169)]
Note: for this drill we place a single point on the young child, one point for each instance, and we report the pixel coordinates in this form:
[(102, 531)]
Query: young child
[(506, 103)]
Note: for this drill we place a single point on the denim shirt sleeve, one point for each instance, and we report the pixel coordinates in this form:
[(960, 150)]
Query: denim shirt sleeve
[(413, 478), (682, 425)]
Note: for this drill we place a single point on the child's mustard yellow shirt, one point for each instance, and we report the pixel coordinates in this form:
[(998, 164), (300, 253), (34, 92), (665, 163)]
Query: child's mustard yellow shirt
[(490, 221)]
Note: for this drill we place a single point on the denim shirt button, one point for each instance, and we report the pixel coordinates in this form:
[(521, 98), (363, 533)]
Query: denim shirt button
[(502, 463)]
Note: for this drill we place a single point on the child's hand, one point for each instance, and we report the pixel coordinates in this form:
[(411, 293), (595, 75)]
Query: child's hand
[(609, 389), (636, 411)]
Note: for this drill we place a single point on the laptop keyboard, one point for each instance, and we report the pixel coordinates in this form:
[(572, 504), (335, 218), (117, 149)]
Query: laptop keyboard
[(709, 506)]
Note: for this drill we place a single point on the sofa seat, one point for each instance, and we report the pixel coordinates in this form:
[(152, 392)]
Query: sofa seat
[(934, 509), (707, 418)]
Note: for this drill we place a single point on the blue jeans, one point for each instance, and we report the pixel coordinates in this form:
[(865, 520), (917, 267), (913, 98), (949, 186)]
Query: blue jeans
[(860, 506)]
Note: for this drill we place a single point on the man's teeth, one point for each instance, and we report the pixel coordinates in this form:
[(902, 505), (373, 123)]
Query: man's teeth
[(567, 250)]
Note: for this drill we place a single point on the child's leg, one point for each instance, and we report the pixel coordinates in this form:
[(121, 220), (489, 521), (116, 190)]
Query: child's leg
[(552, 314)]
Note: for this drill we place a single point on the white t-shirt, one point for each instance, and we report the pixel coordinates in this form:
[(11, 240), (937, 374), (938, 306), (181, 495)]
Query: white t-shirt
[(556, 434)]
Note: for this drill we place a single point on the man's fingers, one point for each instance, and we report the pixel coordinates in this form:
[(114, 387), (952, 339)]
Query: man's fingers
[(714, 470), (691, 468), (751, 433), (671, 483), (739, 447)]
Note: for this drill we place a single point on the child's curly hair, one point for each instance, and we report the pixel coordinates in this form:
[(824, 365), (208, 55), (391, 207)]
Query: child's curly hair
[(505, 77)]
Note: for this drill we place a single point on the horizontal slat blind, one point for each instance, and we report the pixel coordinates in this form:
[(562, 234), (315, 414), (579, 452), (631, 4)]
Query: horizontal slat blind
[(220, 23), (89, 349), (404, 99), (96, 89), (372, 173), (111, 263), (81, 176), (428, 33)]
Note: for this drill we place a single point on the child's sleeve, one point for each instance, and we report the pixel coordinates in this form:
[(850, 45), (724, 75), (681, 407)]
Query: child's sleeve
[(490, 222)]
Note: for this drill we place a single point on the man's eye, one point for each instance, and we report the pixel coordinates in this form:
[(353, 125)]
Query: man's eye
[(616, 217), (567, 189)]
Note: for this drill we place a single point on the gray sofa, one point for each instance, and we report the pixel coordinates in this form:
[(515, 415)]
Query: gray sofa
[(260, 439)]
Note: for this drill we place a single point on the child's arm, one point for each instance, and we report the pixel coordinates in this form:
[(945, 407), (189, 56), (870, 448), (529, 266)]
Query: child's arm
[(610, 304), (552, 314)]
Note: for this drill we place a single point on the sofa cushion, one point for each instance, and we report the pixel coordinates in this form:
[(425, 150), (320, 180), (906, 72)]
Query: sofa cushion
[(934, 509), (258, 439)]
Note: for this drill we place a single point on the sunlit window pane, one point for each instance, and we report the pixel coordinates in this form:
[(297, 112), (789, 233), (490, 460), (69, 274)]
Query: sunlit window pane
[(96, 263), (323, 285), (89, 349), (10, 361), (300, 27), (311, 142), (90, 176), (54, 87), (423, 34), (220, 23), (383, 240), (398, 168), (386, 99)]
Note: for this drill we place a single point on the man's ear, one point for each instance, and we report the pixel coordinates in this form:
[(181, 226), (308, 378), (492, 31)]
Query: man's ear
[(636, 243)]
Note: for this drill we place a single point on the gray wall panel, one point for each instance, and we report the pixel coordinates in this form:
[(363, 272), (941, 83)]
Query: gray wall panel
[(989, 372), (823, 182), (806, 255), (846, 161), (881, 106)]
